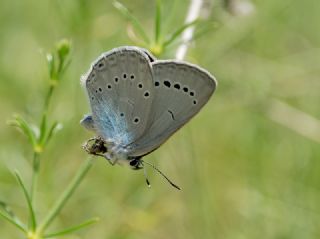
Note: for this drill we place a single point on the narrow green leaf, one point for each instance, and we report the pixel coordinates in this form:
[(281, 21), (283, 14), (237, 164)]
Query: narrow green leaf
[(179, 31), (43, 128), (158, 21), (31, 211), (14, 222), (11, 216), (55, 127), (7, 209), (204, 30), (134, 21), (72, 229), (59, 204), (20, 123)]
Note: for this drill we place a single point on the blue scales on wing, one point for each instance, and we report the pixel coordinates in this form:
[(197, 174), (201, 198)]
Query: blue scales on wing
[(120, 88)]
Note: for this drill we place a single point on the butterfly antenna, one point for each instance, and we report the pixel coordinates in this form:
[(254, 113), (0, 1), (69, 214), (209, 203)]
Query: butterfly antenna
[(155, 168), (146, 177)]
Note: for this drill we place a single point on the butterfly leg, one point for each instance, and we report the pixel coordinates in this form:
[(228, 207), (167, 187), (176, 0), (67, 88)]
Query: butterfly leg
[(110, 157)]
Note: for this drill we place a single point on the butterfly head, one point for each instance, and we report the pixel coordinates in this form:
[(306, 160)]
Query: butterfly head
[(136, 163), (96, 146)]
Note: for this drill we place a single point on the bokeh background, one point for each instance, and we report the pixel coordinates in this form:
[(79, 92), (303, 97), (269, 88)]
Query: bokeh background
[(248, 164)]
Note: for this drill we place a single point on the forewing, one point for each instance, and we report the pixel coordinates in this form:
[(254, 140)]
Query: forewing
[(120, 89), (181, 90)]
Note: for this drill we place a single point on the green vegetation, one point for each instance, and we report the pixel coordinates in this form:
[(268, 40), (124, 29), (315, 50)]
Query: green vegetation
[(247, 164)]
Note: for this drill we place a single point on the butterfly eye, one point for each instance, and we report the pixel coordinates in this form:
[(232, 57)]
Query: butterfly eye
[(136, 120), (140, 85), (185, 89), (157, 83), (132, 77), (116, 79), (195, 102), (134, 163), (191, 93)]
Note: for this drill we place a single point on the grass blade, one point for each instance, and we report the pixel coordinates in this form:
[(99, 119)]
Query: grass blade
[(31, 211), (72, 229), (179, 31), (134, 21)]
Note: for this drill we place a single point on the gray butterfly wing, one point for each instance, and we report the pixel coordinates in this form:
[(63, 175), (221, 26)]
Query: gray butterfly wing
[(120, 89), (181, 90)]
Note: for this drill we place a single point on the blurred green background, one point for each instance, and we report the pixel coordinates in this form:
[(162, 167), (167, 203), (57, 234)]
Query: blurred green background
[(248, 164)]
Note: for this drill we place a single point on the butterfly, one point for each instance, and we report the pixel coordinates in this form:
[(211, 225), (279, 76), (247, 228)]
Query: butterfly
[(138, 102)]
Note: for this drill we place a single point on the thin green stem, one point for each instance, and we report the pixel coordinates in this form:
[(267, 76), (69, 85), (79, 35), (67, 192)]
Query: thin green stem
[(35, 174), (14, 222), (178, 32), (48, 98), (72, 229), (66, 195), (31, 211)]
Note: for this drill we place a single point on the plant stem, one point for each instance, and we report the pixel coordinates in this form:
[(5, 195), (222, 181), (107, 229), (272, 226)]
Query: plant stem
[(66, 195), (14, 222), (36, 155), (48, 98), (35, 174)]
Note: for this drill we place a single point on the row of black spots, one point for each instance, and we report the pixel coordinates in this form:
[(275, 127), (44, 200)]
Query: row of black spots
[(140, 85), (99, 89), (178, 87), (124, 76)]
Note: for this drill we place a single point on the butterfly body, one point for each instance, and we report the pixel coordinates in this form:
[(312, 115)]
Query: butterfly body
[(138, 102)]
